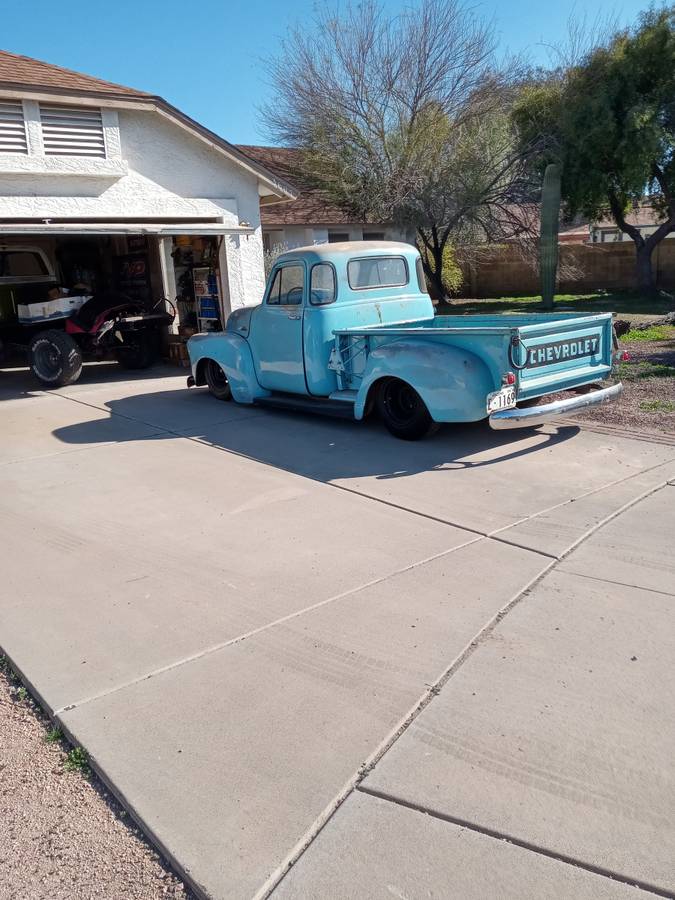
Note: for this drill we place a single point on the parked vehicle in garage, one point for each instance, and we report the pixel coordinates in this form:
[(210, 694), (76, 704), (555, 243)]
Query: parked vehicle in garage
[(351, 328), (59, 329)]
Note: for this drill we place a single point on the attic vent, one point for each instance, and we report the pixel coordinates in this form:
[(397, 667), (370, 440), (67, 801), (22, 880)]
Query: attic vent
[(12, 128), (72, 131)]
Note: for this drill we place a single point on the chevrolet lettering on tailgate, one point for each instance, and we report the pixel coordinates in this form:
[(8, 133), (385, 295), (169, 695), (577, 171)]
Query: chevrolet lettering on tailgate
[(560, 351)]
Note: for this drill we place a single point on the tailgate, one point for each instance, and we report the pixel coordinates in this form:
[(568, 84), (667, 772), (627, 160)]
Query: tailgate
[(562, 354)]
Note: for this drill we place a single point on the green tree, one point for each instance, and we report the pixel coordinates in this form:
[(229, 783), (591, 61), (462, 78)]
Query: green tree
[(610, 122)]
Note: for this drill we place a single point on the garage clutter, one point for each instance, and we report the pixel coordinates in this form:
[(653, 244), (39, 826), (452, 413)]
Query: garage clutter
[(195, 261)]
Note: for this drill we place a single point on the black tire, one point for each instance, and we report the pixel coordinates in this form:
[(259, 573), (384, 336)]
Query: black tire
[(55, 358), (403, 411), (138, 352), (217, 381)]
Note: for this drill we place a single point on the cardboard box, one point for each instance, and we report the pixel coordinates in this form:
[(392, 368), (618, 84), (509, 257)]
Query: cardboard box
[(48, 310)]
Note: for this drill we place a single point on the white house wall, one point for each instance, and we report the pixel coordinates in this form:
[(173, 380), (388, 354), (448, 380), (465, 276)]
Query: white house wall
[(292, 236), (170, 174)]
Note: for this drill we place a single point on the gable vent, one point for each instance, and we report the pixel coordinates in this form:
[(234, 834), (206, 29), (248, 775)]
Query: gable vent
[(12, 128), (72, 131)]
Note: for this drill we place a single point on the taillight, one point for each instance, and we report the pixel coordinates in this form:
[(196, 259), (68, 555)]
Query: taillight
[(508, 378), (621, 356)]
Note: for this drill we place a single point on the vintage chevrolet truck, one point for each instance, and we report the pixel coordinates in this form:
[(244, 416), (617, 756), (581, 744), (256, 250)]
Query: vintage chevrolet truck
[(350, 328)]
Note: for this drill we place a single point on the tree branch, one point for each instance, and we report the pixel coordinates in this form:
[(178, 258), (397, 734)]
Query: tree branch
[(620, 219)]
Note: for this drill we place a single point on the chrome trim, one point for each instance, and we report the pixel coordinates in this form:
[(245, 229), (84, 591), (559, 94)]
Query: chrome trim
[(538, 415)]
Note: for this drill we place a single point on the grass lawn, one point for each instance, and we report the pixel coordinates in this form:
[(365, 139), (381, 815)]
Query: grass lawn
[(629, 304)]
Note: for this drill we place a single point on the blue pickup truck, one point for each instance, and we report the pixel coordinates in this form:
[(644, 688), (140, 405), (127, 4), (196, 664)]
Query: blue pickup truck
[(350, 328)]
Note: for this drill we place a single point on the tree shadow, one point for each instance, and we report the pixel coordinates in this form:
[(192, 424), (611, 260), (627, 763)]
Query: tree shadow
[(313, 446)]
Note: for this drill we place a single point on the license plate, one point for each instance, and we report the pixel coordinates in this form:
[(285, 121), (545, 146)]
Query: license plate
[(504, 399)]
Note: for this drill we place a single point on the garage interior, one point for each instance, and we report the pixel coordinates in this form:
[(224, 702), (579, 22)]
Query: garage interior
[(152, 265)]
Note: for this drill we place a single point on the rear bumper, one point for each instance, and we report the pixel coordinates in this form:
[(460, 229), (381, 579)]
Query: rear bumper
[(538, 415)]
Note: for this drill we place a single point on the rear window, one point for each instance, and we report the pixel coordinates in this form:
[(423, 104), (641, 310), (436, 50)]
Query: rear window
[(377, 271), (21, 263)]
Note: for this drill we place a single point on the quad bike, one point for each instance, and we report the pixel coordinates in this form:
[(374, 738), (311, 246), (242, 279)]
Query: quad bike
[(107, 323)]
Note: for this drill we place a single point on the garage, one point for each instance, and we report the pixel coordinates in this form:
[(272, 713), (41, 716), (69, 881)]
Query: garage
[(118, 213), (93, 285)]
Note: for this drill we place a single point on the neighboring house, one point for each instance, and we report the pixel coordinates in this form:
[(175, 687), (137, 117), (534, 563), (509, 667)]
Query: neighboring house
[(127, 192), (312, 218), (643, 217), (574, 234)]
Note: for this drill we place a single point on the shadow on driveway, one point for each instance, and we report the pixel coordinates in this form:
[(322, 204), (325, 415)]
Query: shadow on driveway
[(317, 447), (17, 381)]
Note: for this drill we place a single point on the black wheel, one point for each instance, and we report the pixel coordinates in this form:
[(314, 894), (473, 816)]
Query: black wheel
[(55, 358), (217, 381), (139, 351), (403, 410)]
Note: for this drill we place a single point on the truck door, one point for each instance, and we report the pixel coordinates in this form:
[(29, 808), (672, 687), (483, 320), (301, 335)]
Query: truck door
[(277, 346)]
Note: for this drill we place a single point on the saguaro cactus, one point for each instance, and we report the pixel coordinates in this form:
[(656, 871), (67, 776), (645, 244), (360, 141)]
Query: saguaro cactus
[(548, 235)]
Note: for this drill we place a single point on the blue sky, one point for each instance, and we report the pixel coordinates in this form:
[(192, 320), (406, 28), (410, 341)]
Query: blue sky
[(205, 56)]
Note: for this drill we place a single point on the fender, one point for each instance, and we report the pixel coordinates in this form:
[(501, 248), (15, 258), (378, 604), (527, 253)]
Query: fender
[(233, 355), (453, 382)]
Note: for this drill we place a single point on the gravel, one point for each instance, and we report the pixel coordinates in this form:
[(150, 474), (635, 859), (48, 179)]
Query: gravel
[(62, 836), (640, 387)]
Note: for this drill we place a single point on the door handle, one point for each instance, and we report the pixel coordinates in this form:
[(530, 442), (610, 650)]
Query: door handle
[(293, 316)]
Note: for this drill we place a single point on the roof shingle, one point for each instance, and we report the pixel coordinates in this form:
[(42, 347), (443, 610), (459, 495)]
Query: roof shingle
[(312, 207), (22, 70)]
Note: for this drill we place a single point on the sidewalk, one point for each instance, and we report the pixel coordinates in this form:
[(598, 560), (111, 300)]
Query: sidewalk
[(545, 766)]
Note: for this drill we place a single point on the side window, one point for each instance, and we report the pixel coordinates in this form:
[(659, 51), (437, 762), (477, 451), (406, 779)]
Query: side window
[(322, 286), (421, 280), (273, 296), (292, 285), (288, 286)]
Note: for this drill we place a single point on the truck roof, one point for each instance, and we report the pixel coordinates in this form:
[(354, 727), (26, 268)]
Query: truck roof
[(318, 252)]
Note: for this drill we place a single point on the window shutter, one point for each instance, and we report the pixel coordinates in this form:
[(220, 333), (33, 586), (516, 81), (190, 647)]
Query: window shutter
[(72, 131), (12, 127)]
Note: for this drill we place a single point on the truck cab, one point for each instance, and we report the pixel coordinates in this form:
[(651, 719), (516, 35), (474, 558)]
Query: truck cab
[(314, 291)]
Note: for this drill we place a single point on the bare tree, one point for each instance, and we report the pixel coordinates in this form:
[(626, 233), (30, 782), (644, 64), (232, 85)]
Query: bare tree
[(402, 119)]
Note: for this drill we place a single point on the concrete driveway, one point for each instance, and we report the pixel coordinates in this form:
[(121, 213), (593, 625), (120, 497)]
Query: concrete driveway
[(404, 669)]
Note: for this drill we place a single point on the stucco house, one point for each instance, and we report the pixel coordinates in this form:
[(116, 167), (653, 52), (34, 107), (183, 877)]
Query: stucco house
[(311, 218), (643, 216), (124, 189)]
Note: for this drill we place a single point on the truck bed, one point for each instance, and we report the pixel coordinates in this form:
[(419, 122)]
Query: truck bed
[(547, 352)]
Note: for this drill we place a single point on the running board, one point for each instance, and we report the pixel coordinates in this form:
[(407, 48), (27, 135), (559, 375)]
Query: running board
[(327, 406)]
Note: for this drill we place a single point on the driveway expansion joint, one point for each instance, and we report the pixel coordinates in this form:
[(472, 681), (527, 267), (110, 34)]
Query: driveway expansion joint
[(432, 691), (215, 648), (518, 842), (637, 587)]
